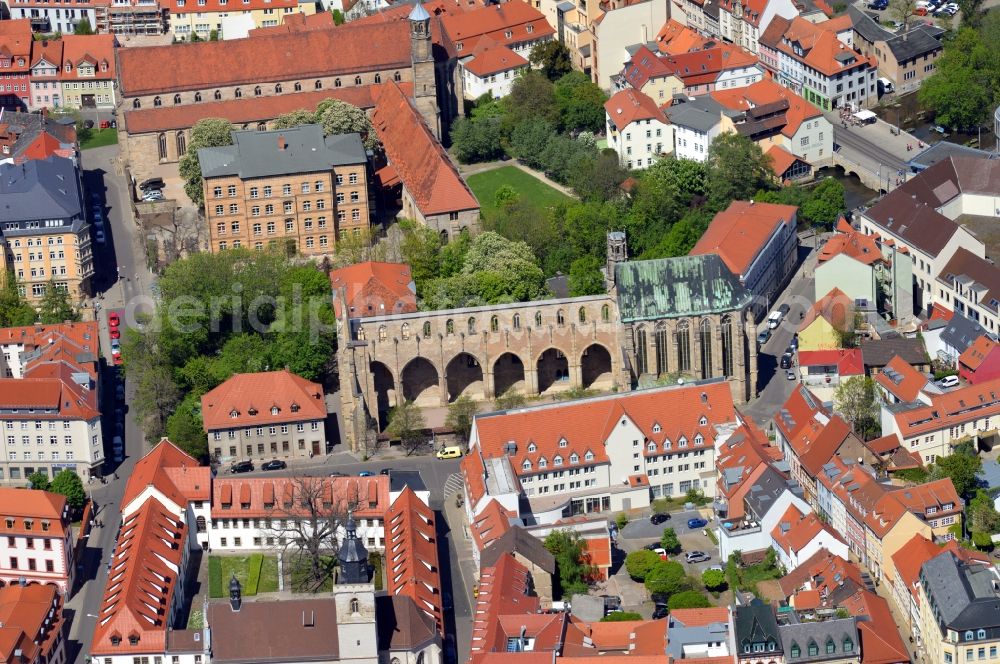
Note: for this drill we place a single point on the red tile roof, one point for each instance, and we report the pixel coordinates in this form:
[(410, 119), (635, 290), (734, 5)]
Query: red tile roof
[(492, 59), (245, 111), (30, 622), (821, 46), (597, 552), (910, 381), (822, 571), (142, 579), (836, 307), (800, 409), (702, 66), (503, 590), (766, 92), (880, 639), (965, 404), (849, 361), (936, 495), (580, 428), (254, 497), (806, 600), (265, 59), (258, 399), (297, 22), (700, 617), (862, 248), (884, 445), (630, 105), (491, 523), (172, 473), (375, 289), (795, 530), (674, 38), (44, 146), (520, 20), (977, 352), (423, 165), (781, 159), (16, 40), (411, 548), (95, 50), (36, 506), (739, 233)]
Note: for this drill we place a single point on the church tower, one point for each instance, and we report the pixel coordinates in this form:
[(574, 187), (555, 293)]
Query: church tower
[(354, 595), (617, 253), (424, 81)]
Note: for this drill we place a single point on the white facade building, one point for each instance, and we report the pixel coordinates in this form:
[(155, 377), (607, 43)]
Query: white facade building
[(637, 130)]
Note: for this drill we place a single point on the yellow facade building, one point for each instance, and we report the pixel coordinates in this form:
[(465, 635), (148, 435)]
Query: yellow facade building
[(201, 17)]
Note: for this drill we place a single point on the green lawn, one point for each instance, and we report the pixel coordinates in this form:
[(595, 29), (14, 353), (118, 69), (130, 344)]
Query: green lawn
[(222, 568), (99, 138), (532, 190)]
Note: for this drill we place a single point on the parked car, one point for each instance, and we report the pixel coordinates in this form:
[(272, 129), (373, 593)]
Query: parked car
[(99, 235), (790, 375), (115, 333), (697, 523), (661, 611), (446, 601), (338, 474), (696, 556), (120, 392), (774, 320), (384, 471), (948, 381), (657, 519), (274, 464), (241, 467), (153, 195), (452, 452), (661, 552), (786, 361), (612, 603), (784, 309), (151, 183), (764, 336), (366, 473), (113, 320)]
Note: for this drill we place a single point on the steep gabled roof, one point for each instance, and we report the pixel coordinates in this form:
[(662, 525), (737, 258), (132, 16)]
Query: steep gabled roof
[(375, 289), (740, 233), (977, 352), (259, 399), (172, 472), (631, 105), (880, 639), (901, 380), (412, 555)]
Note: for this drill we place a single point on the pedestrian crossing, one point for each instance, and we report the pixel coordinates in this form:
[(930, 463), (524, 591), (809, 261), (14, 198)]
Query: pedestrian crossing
[(453, 484)]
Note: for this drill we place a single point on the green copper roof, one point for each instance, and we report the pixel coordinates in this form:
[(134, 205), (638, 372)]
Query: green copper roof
[(674, 287)]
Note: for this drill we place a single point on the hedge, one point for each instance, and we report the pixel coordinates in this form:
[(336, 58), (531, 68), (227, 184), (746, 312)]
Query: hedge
[(214, 577), (253, 573)]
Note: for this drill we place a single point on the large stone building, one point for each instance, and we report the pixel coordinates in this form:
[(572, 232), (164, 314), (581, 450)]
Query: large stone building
[(293, 187), (239, 79), (676, 318)]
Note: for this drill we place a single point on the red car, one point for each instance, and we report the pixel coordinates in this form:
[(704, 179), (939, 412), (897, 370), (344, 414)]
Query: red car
[(115, 333), (113, 320), (117, 359)]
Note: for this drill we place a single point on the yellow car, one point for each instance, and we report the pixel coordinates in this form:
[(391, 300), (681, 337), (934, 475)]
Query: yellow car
[(449, 452)]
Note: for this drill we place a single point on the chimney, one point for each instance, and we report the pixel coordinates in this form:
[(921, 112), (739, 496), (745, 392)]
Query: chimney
[(282, 143)]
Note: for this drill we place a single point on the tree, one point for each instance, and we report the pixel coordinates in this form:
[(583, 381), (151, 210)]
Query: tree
[(585, 277), (902, 11), (67, 483), (532, 97), (185, 429), (714, 579), (640, 563), (83, 27), (339, 117), (338, 17), (737, 168), (855, 399), (621, 616), (552, 58), (38, 480), (206, 133), (666, 577), (825, 204), (302, 116), (156, 395), (621, 520), (476, 141), (669, 540), (529, 140), (567, 548), (14, 311), (580, 102), (305, 521), (598, 179), (961, 469), (213, 35), (982, 515), (461, 413), (406, 423), (56, 307), (688, 599), (956, 97)]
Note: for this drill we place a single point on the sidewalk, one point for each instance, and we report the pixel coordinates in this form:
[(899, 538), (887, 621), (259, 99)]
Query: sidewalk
[(881, 133), (465, 581)]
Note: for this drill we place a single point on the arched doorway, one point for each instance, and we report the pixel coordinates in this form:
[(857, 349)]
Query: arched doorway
[(420, 382), (595, 367), (464, 376), (508, 374), (385, 392), (553, 371)]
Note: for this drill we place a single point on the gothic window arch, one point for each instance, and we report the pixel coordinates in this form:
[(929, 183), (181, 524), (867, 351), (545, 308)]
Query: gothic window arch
[(218, 95), (354, 605), (538, 319), (318, 84), (177, 99), (197, 96), (261, 126), (357, 80), (162, 145), (181, 141), (277, 89), (682, 337), (605, 313), (641, 361), (383, 334), (427, 330), (396, 77), (336, 83), (157, 101), (582, 315), (660, 342), (494, 324), (705, 341), (378, 78), (472, 325), (136, 103), (449, 326), (517, 321), (238, 93), (257, 91), (404, 331), (726, 332), (560, 318), (297, 87)]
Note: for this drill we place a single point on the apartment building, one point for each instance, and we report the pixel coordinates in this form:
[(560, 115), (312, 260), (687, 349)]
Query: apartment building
[(49, 411), (799, 536), (758, 243), (610, 453), (131, 17), (202, 17), (636, 129), (36, 539), (491, 69), (26, 136), (958, 617), (87, 73), (266, 415), (742, 22), (275, 188), (16, 42), (696, 123), (33, 626), (818, 62), (622, 24), (45, 234), (46, 17), (907, 58), (693, 73)]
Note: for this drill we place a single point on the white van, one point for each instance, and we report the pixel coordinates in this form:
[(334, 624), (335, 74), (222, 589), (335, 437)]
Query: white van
[(774, 320), (887, 86)]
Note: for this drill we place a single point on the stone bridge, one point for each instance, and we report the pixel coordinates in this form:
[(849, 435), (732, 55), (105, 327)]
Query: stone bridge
[(434, 357)]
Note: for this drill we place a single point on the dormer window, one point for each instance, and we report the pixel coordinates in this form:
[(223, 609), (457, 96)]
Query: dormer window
[(682, 442), (28, 524), (252, 412), (667, 444), (295, 407), (69, 67), (133, 639), (275, 410), (563, 442), (703, 421), (532, 447), (233, 414), (574, 458), (116, 640), (968, 635), (526, 465), (651, 447), (699, 439), (558, 460), (542, 463), (589, 456), (657, 428)]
